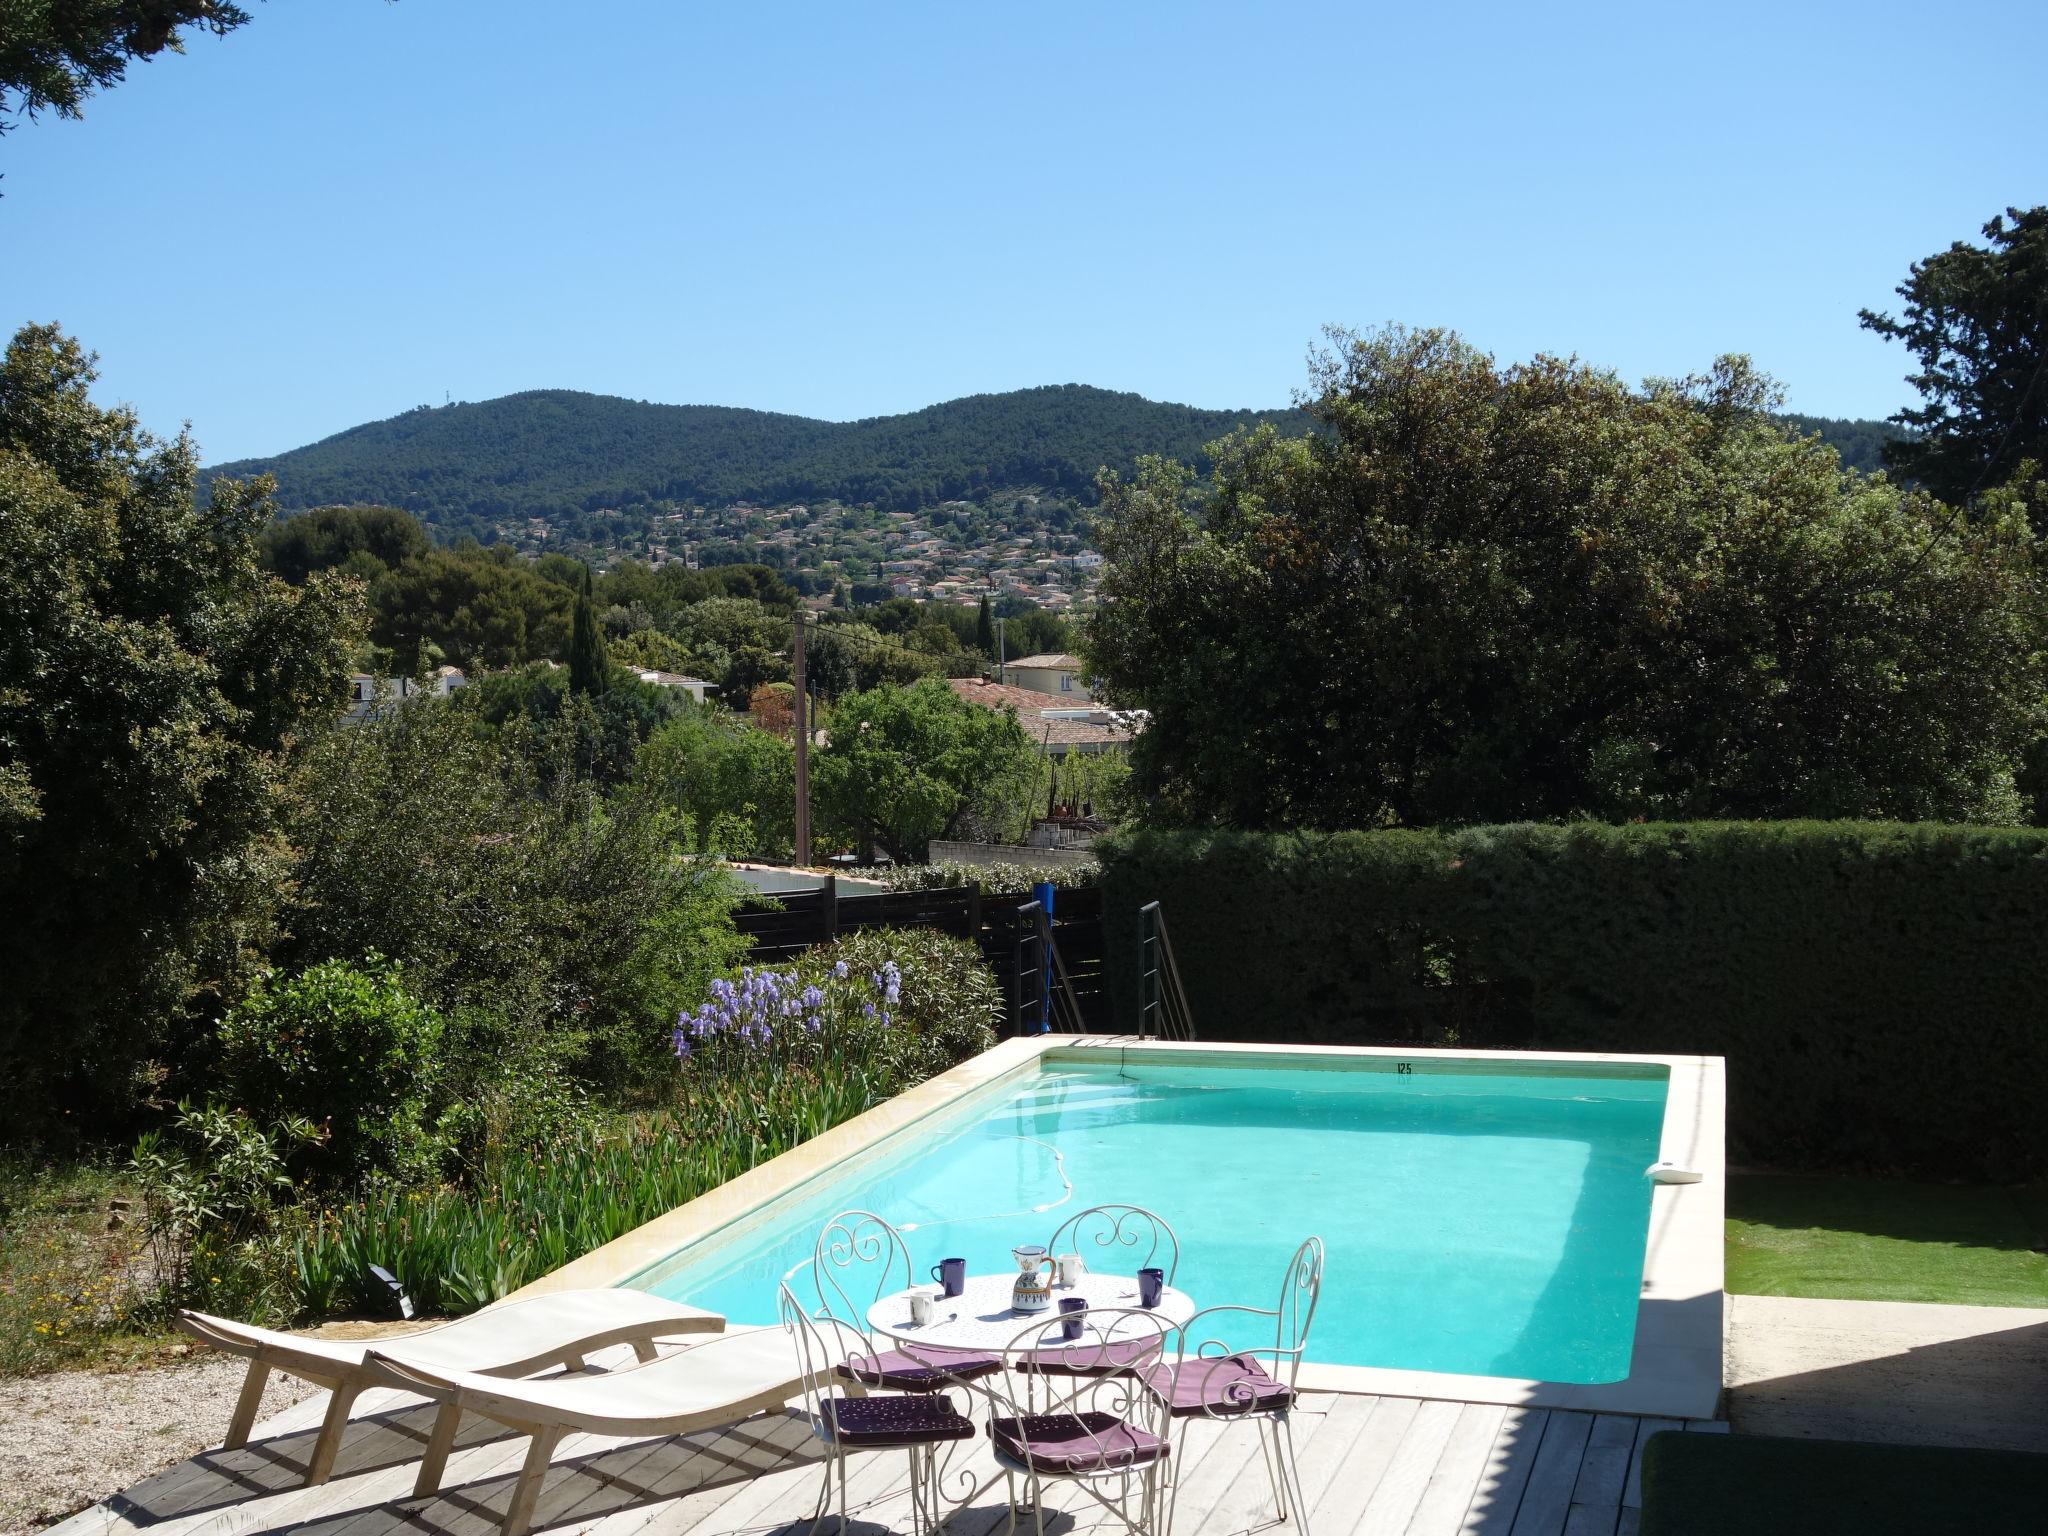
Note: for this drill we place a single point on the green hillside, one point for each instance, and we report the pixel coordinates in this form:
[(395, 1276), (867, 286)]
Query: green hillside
[(555, 453), (1860, 443), (561, 455)]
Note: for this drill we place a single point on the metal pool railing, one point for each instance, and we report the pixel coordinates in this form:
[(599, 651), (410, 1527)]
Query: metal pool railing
[(1163, 1012)]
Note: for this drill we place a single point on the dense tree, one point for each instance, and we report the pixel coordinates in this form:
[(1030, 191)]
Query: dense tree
[(905, 764), (1976, 317), (153, 683), (55, 53), (1487, 594), (846, 656), (463, 606), (734, 782), (533, 710), (365, 541), (502, 884), (590, 669), (984, 629)]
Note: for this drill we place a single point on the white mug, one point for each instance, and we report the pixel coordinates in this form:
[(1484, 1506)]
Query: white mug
[(1071, 1270), (920, 1307)]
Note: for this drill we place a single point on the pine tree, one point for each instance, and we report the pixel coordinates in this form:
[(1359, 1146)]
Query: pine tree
[(590, 669)]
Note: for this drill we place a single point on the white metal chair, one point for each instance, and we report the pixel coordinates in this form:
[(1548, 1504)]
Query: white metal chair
[(859, 1259), (1119, 1238), (1110, 1429), (918, 1423), (1226, 1377)]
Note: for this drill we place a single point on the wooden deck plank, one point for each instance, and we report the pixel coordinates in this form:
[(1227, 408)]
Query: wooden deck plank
[(1218, 1460), (1547, 1501), (1369, 1467), (716, 1451), (1505, 1474), (1351, 1488), (1603, 1471), (709, 1477), (1340, 1429), (1248, 1501), (1441, 1509), (1401, 1487), (1632, 1485)]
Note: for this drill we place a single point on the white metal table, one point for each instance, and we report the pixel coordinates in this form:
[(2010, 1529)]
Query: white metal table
[(980, 1320)]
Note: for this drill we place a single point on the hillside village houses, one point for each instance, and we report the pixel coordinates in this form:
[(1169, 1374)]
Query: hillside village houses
[(927, 553)]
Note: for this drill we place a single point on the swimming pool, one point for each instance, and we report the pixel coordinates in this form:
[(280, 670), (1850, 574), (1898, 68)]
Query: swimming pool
[(1483, 1217)]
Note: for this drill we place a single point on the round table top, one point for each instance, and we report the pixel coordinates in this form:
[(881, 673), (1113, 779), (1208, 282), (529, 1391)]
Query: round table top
[(981, 1318)]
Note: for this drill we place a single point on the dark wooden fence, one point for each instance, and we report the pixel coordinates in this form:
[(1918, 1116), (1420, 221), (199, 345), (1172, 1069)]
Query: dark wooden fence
[(1000, 925)]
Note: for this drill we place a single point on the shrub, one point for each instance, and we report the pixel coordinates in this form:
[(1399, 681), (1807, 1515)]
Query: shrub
[(757, 1082), (882, 1009), (211, 1183), (346, 1045), (994, 879), (1875, 988), (505, 888)]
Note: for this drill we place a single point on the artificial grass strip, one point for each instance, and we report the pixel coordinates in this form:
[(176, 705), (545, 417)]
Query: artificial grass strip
[(1888, 1240), (1753, 1485)]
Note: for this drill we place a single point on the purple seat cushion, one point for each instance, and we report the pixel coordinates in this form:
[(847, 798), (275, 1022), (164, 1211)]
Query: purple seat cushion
[(929, 1370), (1234, 1384), (1075, 1442), (893, 1421), (1097, 1357)]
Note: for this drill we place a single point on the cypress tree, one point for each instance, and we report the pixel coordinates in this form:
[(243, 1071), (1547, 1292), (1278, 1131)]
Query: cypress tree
[(590, 669), (985, 630)]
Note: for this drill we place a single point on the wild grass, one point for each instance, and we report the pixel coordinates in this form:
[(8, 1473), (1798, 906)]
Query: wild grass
[(71, 1241), (529, 1211)]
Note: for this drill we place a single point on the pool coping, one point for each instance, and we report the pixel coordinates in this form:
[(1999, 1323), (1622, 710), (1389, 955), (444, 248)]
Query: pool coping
[(1676, 1367)]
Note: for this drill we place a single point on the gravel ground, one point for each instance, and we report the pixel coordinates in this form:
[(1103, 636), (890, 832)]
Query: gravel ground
[(71, 1438)]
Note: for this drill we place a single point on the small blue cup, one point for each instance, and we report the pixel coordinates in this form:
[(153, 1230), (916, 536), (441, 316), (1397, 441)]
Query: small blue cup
[(1072, 1307), (951, 1275), (1151, 1285)]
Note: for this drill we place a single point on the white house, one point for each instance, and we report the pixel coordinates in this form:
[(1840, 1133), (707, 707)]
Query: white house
[(696, 686), (368, 693), (1049, 674)]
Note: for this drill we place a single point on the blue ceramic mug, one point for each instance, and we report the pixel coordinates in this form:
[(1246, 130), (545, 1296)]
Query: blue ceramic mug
[(1071, 1308), (1151, 1285), (951, 1275)]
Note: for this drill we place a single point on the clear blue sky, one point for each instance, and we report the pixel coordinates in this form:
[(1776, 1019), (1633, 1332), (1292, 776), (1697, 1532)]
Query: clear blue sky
[(348, 207)]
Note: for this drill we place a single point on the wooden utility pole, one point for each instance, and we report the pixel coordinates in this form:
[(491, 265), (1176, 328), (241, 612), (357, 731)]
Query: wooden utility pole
[(803, 743)]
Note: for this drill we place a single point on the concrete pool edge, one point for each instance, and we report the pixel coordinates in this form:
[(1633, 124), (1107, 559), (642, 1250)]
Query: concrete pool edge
[(1676, 1367)]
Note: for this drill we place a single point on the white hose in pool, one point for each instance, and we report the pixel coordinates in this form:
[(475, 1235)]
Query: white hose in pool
[(1059, 1166)]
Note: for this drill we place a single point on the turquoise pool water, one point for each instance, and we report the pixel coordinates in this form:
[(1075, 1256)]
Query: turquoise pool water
[(1483, 1221)]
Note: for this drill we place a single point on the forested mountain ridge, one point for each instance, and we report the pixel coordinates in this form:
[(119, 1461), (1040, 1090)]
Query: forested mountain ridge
[(554, 453)]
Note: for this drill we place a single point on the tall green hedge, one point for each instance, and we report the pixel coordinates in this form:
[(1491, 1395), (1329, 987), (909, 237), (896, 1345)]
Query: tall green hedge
[(1880, 991)]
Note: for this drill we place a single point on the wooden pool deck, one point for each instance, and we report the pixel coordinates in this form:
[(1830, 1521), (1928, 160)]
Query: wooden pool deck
[(1370, 1466)]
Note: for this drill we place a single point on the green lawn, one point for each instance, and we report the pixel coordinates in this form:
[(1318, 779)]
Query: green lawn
[(1888, 1240), (1722, 1485)]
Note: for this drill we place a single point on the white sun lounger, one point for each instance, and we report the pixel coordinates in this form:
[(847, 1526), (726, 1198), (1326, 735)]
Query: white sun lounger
[(718, 1381), (513, 1338)]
